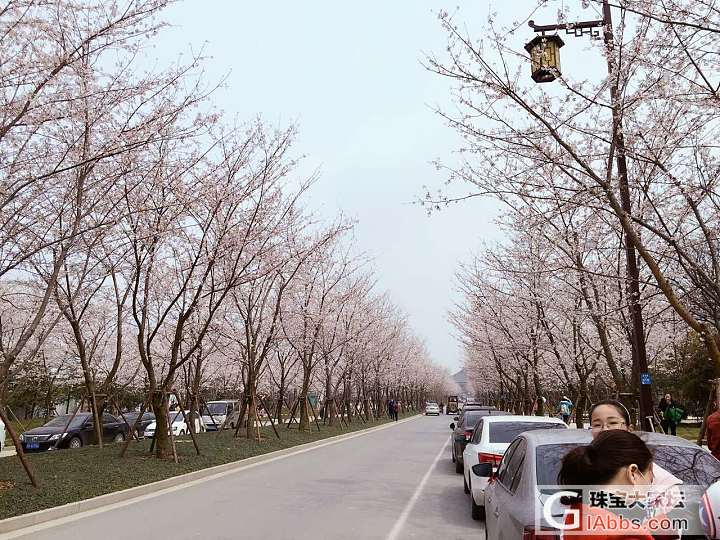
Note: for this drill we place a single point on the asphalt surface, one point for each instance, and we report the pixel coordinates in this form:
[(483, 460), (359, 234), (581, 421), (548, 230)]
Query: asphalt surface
[(392, 484)]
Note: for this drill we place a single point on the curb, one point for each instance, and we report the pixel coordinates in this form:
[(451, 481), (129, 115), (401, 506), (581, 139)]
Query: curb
[(39, 517)]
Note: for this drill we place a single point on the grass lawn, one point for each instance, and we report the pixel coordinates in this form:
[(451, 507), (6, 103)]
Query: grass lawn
[(689, 432), (72, 475)]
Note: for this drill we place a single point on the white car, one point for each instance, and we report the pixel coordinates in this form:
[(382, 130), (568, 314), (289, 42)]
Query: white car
[(217, 414), (432, 408), (490, 439), (178, 425), (2, 436)]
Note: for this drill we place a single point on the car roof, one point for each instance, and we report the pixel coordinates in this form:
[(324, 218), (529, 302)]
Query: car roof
[(540, 437), (519, 418)]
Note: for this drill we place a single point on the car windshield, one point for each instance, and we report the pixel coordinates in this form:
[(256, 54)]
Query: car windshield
[(471, 417), (215, 409), (505, 432), (691, 465), (61, 421)]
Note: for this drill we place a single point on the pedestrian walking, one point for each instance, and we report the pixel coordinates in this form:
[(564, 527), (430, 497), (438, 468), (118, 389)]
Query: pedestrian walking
[(671, 414), (396, 409), (391, 408), (442, 407), (712, 432), (565, 407)]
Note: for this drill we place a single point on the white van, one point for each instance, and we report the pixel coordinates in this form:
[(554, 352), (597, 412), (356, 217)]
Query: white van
[(221, 413)]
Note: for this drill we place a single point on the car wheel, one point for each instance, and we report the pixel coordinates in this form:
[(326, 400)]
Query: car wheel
[(477, 512), (182, 432), (465, 484), (75, 442), (458, 466)]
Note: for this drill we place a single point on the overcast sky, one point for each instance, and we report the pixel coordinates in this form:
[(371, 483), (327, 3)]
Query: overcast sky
[(350, 75)]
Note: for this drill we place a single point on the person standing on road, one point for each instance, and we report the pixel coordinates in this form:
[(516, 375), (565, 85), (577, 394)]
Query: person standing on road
[(712, 432), (391, 408), (671, 414), (396, 409), (565, 409)]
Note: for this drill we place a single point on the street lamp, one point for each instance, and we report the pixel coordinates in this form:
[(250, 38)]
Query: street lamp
[(544, 73), (545, 57)]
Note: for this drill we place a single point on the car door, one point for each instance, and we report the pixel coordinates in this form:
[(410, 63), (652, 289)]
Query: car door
[(492, 493), (458, 429), (470, 454), (111, 427), (505, 500)]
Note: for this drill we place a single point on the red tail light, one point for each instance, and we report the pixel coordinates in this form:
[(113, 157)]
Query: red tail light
[(490, 458), (531, 533), (468, 434)]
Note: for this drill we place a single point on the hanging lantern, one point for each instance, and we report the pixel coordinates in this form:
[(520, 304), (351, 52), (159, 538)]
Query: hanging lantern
[(545, 57)]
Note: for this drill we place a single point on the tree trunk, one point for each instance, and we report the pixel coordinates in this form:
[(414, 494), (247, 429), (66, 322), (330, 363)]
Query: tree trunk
[(162, 438), (304, 414)]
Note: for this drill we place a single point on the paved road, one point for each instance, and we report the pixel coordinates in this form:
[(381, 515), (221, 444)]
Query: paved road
[(392, 484)]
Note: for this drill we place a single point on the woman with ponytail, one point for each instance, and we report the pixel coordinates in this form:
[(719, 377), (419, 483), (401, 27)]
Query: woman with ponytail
[(613, 461)]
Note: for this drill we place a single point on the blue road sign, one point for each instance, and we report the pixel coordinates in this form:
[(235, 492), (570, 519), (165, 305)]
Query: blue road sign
[(645, 378)]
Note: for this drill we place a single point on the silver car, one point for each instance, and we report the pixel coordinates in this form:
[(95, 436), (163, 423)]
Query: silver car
[(513, 499)]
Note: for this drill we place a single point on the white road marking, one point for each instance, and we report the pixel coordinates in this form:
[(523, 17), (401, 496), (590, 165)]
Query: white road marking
[(400, 523), (88, 513)]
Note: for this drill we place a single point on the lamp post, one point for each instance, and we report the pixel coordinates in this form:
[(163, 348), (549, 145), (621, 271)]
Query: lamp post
[(545, 55)]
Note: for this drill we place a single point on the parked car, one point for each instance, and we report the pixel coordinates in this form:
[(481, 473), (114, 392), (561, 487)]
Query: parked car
[(432, 408), (463, 430), (80, 432), (176, 421), (513, 498), (477, 407), (491, 437), (2, 436), (147, 419), (217, 414)]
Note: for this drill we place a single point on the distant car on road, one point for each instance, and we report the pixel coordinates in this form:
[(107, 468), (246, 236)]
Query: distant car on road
[(463, 431), (176, 421), (217, 414), (147, 419), (80, 432), (452, 405), (534, 458), (432, 408), (491, 437)]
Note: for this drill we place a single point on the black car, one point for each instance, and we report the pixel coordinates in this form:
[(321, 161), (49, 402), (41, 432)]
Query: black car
[(79, 433), (463, 431), (147, 419)]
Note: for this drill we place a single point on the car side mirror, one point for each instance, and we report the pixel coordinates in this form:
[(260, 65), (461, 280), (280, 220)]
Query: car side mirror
[(88, 425), (484, 470), (452, 426)]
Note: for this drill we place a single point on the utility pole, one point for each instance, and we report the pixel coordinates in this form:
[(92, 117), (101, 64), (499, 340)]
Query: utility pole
[(545, 69)]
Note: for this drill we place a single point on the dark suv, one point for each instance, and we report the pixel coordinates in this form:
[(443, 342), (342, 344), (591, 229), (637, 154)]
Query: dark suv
[(79, 433), (463, 431)]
